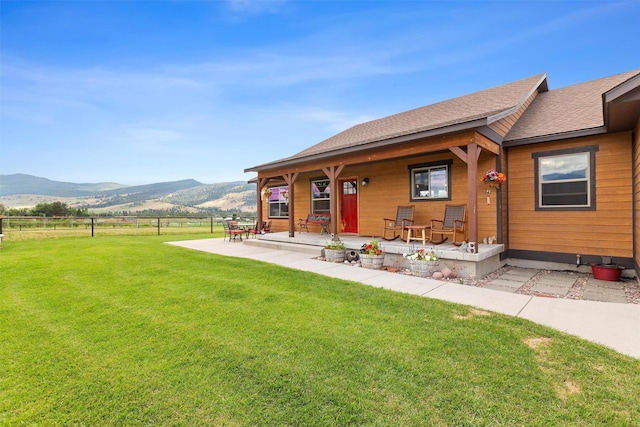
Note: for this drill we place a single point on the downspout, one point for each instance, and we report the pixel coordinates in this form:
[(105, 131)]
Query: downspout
[(634, 202), (505, 236)]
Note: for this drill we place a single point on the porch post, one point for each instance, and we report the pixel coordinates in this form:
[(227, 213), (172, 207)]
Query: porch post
[(471, 159), (473, 152), (290, 179), (332, 173), (261, 183)]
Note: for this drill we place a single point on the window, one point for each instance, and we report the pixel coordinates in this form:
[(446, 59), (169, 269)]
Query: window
[(431, 181), (565, 179), (320, 196), (279, 202)]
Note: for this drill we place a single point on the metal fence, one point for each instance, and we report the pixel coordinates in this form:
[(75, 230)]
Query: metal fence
[(124, 225)]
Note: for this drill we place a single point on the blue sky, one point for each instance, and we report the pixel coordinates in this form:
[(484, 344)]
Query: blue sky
[(138, 92)]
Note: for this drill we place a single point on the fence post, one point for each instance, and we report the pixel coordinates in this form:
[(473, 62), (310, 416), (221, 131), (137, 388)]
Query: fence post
[(211, 218), (158, 226), (91, 226)]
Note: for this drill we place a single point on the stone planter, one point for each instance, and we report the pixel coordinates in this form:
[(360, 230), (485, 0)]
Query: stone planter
[(334, 255), (372, 261), (423, 268)]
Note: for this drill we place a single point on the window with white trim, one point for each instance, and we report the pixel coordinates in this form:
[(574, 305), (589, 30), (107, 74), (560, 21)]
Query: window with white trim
[(431, 181), (320, 196), (565, 179), (278, 202)]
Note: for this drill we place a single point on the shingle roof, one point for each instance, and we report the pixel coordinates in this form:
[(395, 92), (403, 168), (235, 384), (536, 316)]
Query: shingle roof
[(467, 108), (568, 109), (464, 109)]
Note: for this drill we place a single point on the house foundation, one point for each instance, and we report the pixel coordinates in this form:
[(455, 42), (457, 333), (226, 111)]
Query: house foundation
[(464, 264)]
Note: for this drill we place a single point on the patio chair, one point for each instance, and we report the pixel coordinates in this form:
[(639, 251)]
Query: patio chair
[(232, 230), (404, 218), (454, 224), (266, 227), (253, 230)]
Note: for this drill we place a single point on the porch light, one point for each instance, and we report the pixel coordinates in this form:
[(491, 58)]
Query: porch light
[(365, 182)]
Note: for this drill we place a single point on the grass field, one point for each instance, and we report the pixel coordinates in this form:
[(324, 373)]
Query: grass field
[(126, 330)]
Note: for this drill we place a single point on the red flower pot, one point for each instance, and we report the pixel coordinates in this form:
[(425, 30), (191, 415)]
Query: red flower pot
[(610, 272)]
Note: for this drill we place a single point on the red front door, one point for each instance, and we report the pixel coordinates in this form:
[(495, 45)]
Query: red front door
[(349, 205)]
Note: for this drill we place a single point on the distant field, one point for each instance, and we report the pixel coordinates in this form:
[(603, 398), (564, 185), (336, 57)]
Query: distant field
[(31, 229)]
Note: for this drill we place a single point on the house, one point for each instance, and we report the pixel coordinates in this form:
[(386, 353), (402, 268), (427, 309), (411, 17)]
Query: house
[(571, 157)]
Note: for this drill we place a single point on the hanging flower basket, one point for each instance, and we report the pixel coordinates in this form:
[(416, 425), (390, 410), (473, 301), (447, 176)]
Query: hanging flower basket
[(493, 179)]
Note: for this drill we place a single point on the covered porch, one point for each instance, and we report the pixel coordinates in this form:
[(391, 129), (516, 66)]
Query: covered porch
[(485, 260)]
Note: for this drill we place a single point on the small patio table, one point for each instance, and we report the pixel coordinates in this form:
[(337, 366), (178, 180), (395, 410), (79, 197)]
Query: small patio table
[(411, 236)]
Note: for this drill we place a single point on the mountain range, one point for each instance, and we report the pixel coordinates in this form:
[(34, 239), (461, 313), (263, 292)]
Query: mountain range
[(189, 195)]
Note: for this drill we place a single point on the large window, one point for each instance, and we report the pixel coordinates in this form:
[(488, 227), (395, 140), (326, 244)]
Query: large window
[(320, 196), (278, 202), (431, 181), (565, 179)]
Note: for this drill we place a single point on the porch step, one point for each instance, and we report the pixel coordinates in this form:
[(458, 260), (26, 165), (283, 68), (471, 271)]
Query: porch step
[(283, 246)]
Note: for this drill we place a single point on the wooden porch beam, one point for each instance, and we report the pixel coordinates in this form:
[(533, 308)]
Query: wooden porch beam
[(459, 152), (487, 144), (414, 148)]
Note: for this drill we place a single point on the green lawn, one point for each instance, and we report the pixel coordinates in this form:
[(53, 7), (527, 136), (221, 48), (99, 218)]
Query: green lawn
[(130, 331)]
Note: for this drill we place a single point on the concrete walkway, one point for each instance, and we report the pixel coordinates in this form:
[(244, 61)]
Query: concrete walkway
[(611, 324)]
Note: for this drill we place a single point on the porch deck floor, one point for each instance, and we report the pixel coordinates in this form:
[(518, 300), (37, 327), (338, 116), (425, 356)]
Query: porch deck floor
[(446, 250)]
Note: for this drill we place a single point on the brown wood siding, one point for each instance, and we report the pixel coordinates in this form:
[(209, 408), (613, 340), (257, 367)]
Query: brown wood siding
[(504, 125), (277, 224), (389, 184), (487, 216), (389, 188), (606, 231)]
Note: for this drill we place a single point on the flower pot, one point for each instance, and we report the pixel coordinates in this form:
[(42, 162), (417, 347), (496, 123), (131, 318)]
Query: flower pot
[(610, 272), (334, 255), (372, 261), (423, 268)]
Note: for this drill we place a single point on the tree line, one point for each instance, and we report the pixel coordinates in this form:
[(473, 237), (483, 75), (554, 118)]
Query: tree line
[(61, 209), (45, 209)]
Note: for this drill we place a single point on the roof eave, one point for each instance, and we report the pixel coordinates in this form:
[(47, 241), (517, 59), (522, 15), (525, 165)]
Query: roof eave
[(459, 127), (625, 92), (555, 137)]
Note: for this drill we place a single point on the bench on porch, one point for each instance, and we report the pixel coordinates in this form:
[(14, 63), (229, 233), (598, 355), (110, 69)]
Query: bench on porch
[(321, 219)]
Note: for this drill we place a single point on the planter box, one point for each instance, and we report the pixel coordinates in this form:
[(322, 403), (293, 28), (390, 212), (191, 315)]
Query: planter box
[(372, 261), (334, 255), (423, 268), (610, 272)]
